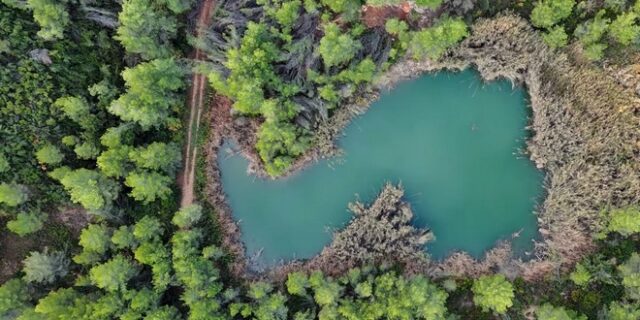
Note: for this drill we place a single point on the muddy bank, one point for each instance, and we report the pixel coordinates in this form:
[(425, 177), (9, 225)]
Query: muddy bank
[(586, 139)]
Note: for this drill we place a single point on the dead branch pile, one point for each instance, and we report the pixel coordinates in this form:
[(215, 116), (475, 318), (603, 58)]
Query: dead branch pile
[(380, 233)]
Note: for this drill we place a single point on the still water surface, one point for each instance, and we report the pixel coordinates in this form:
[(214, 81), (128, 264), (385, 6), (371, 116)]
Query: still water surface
[(453, 142)]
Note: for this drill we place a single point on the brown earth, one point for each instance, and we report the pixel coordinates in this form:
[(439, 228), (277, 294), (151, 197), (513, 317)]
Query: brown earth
[(196, 100)]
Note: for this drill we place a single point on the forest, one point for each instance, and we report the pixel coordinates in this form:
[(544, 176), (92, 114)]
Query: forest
[(94, 120)]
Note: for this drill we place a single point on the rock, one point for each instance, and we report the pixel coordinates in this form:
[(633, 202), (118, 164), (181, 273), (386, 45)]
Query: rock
[(41, 55)]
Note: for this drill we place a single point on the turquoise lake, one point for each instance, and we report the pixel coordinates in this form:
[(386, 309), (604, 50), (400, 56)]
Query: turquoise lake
[(454, 142)]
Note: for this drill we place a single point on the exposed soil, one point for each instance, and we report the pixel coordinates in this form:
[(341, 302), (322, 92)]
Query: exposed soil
[(12, 251), (196, 100)]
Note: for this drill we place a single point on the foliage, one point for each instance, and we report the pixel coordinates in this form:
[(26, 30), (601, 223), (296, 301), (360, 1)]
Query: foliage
[(432, 4), (622, 311), (188, 216), (556, 37), (279, 144), (548, 13), (549, 312), (157, 156), (146, 29), (14, 296), (434, 41), (26, 223), (337, 47), (590, 33), (630, 273), (148, 186), (49, 154), (90, 188), (45, 267), (493, 293), (152, 93), (95, 238), (4, 163), (581, 276), (624, 29), (12, 194), (624, 221), (51, 15), (113, 274)]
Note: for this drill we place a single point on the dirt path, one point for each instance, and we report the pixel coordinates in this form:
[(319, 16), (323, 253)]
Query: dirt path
[(197, 97)]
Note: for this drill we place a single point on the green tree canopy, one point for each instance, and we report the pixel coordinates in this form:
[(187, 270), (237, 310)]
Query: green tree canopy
[(146, 29), (590, 33), (157, 156), (51, 15), (78, 110), (630, 273), (14, 296), (337, 47), (12, 195), (624, 221), (92, 190), (187, 216), (547, 13), (580, 276), (114, 274), (45, 267), (556, 37), (493, 293), (27, 223), (49, 154), (549, 312), (148, 186), (434, 41), (625, 29), (623, 311), (151, 95)]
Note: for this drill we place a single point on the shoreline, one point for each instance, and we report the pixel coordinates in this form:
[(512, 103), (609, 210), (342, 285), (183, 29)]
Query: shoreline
[(517, 55)]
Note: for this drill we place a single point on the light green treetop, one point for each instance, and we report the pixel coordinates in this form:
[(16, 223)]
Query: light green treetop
[(12, 195), (113, 274), (624, 221), (434, 41), (549, 312), (151, 93), (51, 15), (547, 13), (581, 276), (493, 293), (337, 47), (625, 29)]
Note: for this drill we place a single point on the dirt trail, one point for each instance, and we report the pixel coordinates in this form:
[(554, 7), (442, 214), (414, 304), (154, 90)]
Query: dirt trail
[(196, 100)]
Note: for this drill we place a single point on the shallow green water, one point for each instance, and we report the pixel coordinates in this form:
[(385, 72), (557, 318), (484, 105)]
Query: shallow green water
[(454, 143)]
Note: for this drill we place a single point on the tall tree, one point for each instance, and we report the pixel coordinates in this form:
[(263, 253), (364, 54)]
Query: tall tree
[(145, 29), (434, 41), (493, 293), (45, 267), (12, 194), (337, 47), (151, 95), (148, 186), (51, 15)]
